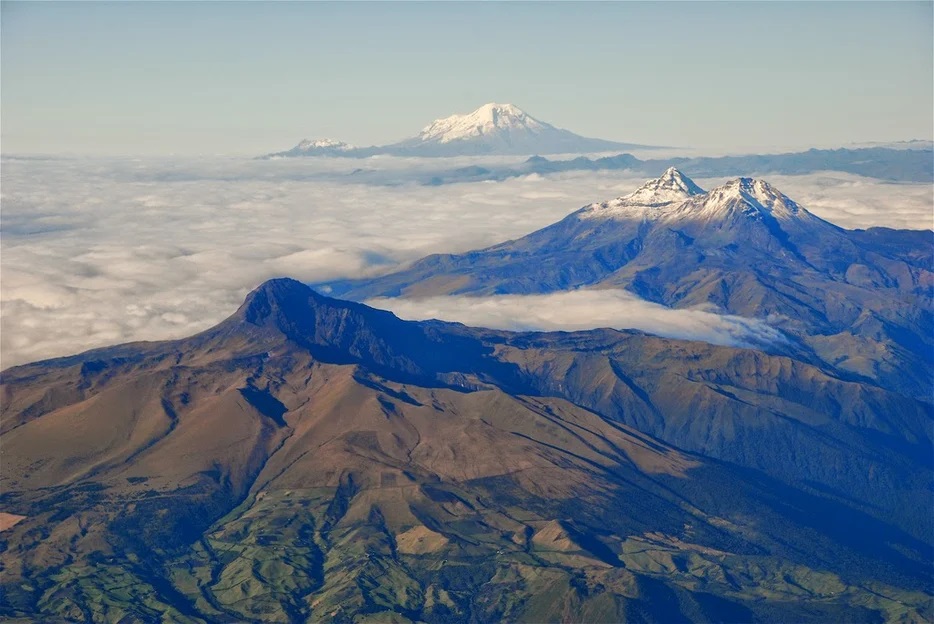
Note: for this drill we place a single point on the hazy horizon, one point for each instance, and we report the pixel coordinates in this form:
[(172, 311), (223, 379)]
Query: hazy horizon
[(104, 78)]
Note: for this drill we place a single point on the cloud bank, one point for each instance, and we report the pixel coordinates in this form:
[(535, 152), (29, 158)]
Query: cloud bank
[(853, 201), (96, 252), (585, 309)]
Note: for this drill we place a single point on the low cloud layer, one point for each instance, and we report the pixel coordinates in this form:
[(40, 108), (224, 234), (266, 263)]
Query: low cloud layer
[(585, 309), (853, 202), (96, 252), (99, 252)]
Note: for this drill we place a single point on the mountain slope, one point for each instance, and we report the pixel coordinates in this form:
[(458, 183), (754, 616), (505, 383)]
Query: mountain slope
[(311, 458), (861, 301)]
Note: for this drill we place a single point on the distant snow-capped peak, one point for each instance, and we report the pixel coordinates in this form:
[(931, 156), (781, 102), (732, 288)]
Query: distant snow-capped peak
[(310, 144), (670, 189), (488, 119)]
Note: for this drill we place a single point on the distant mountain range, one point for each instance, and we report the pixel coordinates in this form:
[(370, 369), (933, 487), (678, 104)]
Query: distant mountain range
[(896, 165), (906, 164), (316, 459), (492, 129)]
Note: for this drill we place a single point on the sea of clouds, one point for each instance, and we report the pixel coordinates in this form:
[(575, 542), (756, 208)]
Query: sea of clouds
[(102, 251)]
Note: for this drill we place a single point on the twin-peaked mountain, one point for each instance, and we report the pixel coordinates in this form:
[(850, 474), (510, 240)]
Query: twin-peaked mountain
[(858, 300), (489, 130)]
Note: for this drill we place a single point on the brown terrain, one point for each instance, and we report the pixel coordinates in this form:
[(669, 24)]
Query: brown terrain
[(315, 459)]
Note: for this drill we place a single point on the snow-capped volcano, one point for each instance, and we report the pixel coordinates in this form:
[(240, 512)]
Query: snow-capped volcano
[(498, 129), (488, 119), (316, 147), (492, 129), (743, 248), (675, 197)]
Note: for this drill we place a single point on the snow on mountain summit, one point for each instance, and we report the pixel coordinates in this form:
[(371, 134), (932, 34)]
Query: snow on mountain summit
[(674, 197), (312, 144), (488, 119), (747, 196), (670, 189), (672, 186), (497, 129), (492, 129)]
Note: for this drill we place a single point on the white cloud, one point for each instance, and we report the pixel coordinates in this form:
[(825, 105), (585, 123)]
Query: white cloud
[(96, 252), (585, 309)]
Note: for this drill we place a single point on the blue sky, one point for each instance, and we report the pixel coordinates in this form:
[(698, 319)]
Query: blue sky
[(251, 77)]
